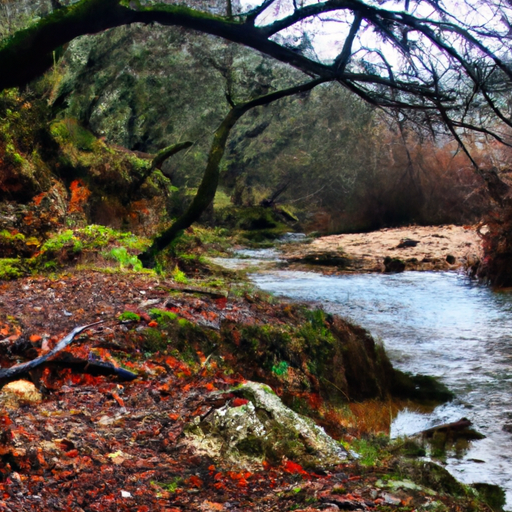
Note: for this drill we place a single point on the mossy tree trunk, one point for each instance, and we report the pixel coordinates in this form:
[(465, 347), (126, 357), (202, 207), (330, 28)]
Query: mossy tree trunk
[(208, 187), (157, 162)]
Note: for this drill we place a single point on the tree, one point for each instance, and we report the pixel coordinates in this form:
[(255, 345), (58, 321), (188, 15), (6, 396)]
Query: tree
[(447, 67), (208, 186)]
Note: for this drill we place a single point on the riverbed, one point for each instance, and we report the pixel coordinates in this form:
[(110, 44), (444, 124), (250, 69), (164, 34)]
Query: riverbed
[(435, 323)]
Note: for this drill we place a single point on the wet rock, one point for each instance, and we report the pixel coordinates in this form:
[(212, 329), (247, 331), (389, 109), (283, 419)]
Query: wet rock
[(393, 265), (507, 428), (262, 428)]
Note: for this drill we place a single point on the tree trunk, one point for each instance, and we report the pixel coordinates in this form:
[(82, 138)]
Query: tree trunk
[(205, 193), (208, 187)]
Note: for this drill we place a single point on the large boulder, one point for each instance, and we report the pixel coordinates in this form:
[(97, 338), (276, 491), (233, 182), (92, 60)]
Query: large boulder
[(260, 427)]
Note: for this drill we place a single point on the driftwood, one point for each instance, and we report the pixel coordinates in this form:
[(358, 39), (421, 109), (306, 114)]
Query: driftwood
[(94, 367), (460, 429), (407, 242)]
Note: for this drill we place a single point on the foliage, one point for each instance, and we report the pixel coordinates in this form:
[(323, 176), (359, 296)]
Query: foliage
[(11, 268), (129, 316), (179, 276), (121, 255), (371, 454)]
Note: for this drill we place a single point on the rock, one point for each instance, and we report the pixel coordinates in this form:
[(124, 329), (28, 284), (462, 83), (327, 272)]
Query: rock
[(407, 242), (507, 428), (262, 429), (393, 265), (20, 392), (326, 259), (389, 499)]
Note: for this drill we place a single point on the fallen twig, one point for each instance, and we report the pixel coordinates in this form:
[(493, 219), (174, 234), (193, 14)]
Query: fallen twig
[(15, 372)]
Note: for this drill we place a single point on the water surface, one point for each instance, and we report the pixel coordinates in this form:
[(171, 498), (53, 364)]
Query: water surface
[(435, 323)]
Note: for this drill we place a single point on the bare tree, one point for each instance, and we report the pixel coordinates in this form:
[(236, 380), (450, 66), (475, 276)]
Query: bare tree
[(420, 56)]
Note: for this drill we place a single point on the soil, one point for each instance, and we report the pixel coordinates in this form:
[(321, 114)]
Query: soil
[(437, 248)]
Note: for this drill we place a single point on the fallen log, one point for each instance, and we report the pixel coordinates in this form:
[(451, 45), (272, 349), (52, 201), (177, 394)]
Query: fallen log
[(16, 372), (460, 429), (90, 366)]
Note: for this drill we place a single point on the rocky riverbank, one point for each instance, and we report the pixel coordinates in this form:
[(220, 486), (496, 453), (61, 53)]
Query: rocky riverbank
[(392, 250)]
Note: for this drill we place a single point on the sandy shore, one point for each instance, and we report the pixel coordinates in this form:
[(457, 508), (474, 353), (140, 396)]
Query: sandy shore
[(437, 248)]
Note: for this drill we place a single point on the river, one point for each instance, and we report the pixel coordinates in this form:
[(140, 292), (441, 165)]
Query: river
[(434, 323)]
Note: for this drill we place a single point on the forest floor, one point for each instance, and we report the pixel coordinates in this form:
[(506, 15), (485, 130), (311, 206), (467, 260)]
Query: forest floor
[(99, 443), (418, 247)]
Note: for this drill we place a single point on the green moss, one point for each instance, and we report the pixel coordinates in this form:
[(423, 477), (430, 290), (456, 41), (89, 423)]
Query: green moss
[(11, 268), (280, 369), (124, 258), (162, 316), (59, 241), (369, 451), (171, 486), (69, 131), (179, 276), (129, 316)]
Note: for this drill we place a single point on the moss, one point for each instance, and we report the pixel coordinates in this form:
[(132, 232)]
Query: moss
[(280, 369), (69, 131), (491, 494), (125, 259), (163, 317), (11, 268), (421, 388), (129, 316), (179, 276), (154, 340)]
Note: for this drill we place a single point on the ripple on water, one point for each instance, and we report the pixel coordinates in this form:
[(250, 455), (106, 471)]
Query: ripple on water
[(435, 323)]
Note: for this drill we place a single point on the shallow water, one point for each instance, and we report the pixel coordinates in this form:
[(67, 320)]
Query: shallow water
[(435, 323)]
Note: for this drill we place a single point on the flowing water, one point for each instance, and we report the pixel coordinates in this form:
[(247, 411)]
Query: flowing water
[(434, 323)]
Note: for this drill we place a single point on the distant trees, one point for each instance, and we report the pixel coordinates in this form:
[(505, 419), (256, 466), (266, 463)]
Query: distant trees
[(445, 67)]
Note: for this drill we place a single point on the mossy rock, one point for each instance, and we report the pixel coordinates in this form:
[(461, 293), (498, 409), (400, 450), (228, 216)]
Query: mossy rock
[(420, 388), (262, 427), (493, 495), (433, 476), (393, 265)]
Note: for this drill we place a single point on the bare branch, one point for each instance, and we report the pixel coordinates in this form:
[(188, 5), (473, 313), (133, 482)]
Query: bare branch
[(341, 61)]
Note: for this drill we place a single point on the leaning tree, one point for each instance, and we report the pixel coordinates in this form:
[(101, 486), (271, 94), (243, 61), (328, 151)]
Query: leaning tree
[(443, 65)]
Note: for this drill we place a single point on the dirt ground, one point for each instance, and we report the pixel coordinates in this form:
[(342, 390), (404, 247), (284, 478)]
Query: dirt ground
[(99, 443), (437, 248)]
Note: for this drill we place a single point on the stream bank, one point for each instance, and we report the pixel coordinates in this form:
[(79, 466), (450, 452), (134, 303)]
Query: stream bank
[(438, 323), (390, 250), (92, 442)]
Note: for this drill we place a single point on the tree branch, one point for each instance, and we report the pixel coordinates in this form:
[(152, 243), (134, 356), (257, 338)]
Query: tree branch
[(341, 61)]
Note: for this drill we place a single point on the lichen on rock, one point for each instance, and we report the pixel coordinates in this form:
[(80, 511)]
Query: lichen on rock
[(262, 428)]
